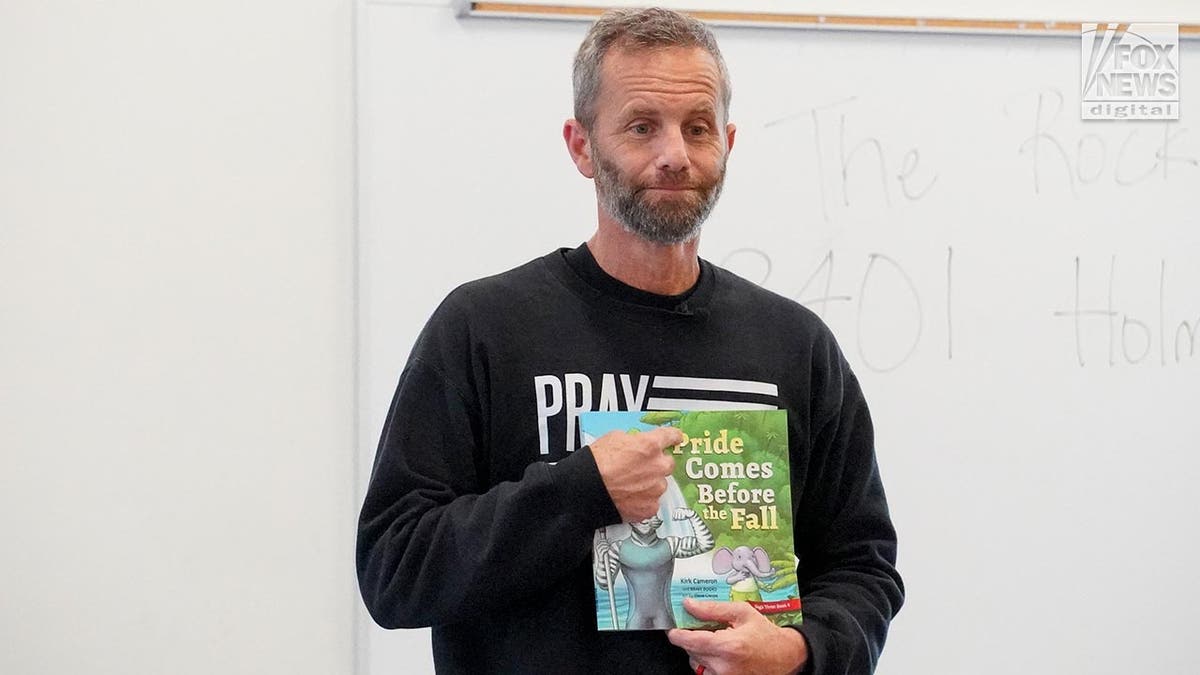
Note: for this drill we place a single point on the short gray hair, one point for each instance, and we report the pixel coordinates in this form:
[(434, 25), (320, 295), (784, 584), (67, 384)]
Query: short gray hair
[(652, 28)]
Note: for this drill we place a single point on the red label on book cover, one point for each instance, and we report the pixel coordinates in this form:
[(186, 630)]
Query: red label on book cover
[(776, 606)]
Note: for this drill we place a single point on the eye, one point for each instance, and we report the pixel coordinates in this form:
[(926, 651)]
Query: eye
[(698, 129), (640, 129)]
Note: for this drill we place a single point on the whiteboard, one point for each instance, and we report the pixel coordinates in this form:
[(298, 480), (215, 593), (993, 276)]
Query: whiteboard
[(1015, 288)]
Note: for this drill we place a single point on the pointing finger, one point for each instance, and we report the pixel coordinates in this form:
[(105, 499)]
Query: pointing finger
[(665, 437)]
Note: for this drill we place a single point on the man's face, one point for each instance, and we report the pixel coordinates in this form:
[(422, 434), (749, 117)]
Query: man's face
[(659, 142), (647, 526)]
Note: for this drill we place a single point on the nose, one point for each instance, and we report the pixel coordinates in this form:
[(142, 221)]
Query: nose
[(672, 151)]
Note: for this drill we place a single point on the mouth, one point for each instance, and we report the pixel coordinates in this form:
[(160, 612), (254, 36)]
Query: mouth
[(670, 193)]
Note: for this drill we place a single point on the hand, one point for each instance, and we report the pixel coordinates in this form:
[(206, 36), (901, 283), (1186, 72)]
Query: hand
[(635, 469), (601, 549), (751, 643), (605, 563), (682, 513)]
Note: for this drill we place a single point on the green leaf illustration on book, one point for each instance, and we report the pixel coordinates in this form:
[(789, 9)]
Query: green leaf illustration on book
[(661, 418)]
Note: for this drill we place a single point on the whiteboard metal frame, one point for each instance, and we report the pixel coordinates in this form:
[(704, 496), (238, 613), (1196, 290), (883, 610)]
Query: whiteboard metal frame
[(510, 10)]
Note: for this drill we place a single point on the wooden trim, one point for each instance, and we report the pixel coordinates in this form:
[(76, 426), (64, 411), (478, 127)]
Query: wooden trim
[(886, 23)]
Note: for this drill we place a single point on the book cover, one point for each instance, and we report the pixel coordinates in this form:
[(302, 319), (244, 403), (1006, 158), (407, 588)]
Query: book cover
[(723, 530)]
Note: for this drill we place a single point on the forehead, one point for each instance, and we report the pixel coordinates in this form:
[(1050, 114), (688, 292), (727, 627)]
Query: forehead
[(669, 73)]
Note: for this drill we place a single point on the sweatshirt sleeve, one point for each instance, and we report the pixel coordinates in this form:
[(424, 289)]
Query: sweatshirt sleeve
[(436, 546), (845, 540)]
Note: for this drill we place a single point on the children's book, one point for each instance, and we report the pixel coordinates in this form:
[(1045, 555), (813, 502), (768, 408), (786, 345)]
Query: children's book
[(723, 530)]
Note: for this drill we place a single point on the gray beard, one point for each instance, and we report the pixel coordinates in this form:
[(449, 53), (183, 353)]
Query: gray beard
[(665, 223)]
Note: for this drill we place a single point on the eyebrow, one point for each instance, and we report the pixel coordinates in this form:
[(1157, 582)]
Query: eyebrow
[(634, 113), (639, 112)]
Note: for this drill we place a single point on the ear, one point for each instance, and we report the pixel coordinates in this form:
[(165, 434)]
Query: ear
[(761, 559), (579, 147), (722, 561), (730, 133)]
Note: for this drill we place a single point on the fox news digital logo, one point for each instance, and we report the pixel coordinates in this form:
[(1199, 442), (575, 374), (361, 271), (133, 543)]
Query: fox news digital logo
[(1130, 71)]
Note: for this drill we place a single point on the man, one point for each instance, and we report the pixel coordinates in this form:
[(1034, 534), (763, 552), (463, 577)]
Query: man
[(481, 509)]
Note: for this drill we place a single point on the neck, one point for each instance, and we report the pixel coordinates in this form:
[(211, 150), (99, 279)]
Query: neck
[(664, 269), (643, 539)]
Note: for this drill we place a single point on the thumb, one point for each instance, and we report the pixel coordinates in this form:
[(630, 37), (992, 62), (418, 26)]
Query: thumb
[(732, 613)]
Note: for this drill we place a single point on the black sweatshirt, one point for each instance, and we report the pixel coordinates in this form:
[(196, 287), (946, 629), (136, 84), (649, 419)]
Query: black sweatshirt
[(479, 516)]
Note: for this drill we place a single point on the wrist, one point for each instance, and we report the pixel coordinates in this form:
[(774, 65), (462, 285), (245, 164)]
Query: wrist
[(796, 649)]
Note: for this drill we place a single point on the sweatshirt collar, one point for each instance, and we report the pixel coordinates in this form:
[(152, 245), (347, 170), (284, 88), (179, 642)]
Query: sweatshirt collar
[(585, 269)]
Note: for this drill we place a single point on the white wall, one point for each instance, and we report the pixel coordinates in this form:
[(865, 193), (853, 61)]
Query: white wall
[(176, 337)]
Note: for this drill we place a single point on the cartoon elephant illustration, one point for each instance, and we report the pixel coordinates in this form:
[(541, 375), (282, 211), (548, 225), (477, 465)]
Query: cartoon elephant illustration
[(747, 568)]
